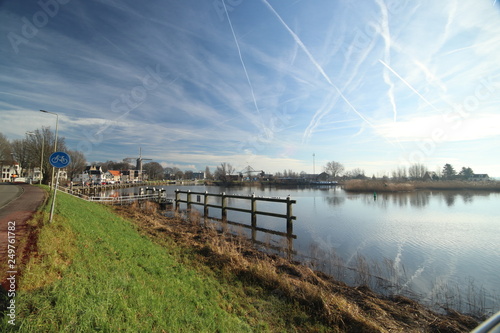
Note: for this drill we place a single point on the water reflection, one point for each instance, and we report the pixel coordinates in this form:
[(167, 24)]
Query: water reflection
[(418, 199), (467, 197), (335, 201)]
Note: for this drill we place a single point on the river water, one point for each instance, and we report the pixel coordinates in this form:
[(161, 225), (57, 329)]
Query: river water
[(441, 247)]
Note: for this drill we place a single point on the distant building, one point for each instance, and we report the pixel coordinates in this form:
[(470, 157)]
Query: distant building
[(199, 175), (113, 175), (323, 177), (92, 174), (11, 172), (479, 177), (430, 176)]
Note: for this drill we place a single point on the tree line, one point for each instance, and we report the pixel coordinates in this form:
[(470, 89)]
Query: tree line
[(28, 153), (415, 171)]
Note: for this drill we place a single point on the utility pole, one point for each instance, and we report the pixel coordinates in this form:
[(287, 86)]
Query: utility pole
[(314, 165)]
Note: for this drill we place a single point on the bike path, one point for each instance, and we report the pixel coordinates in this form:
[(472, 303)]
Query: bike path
[(17, 203)]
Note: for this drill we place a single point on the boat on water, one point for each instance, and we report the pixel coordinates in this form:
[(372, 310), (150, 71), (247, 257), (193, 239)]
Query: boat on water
[(324, 183)]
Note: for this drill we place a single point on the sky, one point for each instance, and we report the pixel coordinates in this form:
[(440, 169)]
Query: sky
[(274, 85)]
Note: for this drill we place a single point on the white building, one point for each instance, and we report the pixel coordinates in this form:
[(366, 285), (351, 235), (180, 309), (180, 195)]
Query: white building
[(11, 172), (91, 175)]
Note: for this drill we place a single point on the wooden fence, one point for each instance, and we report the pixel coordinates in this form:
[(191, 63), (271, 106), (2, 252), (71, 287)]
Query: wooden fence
[(149, 194), (202, 200)]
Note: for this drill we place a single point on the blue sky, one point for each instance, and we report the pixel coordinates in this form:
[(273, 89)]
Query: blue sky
[(376, 86)]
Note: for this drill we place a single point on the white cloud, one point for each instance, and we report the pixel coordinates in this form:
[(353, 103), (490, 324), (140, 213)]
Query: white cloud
[(443, 128)]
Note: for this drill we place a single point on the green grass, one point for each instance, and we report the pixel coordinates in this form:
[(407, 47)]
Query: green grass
[(95, 272)]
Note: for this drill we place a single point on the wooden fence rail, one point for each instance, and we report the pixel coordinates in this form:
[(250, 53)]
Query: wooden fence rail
[(145, 194), (253, 211)]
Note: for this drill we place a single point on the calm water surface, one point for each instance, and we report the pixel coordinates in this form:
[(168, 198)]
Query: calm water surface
[(438, 244)]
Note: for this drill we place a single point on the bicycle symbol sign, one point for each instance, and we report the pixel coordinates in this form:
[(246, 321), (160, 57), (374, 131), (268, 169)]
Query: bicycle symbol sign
[(59, 159)]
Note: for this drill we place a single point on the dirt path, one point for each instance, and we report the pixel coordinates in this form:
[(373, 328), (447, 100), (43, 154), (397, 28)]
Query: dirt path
[(17, 204)]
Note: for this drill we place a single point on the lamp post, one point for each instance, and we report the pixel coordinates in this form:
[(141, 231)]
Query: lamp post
[(13, 166), (41, 157), (55, 143)]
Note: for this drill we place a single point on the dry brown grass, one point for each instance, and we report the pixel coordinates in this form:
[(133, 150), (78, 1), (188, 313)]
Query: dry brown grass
[(343, 308), (458, 185), (359, 185)]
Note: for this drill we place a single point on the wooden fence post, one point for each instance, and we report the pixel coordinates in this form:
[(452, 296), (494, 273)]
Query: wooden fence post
[(224, 206), (289, 225), (177, 199), (189, 200), (254, 216), (205, 205)]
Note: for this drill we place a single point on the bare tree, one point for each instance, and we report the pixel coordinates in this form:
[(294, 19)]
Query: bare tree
[(208, 174), (154, 170), (356, 173), (399, 173), (334, 169), (178, 173), (224, 171), (77, 164), (417, 171), (5, 150), (28, 151)]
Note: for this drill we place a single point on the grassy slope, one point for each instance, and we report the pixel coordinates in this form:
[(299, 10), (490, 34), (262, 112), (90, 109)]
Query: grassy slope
[(95, 272)]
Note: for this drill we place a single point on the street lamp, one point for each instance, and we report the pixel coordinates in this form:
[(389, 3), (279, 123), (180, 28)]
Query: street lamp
[(55, 143), (41, 158)]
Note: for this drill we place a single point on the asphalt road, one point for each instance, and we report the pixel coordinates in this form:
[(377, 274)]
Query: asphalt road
[(17, 204), (9, 192)]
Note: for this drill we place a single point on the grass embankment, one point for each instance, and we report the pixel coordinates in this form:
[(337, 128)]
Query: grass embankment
[(97, 271), (359, 185), (94, 272)]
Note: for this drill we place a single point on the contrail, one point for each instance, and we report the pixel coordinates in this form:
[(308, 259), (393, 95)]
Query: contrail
[(315, 63), (299, 42), (241, 58), (115, 121), (409, 86), (387, 54)]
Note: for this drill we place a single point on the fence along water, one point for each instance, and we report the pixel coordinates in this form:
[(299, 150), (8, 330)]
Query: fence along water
[(253, 211)]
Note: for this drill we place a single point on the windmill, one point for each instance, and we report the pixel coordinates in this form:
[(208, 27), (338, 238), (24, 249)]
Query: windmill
[(138, 165)]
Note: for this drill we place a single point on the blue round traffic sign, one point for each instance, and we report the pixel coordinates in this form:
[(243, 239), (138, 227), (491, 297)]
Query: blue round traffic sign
[(59, 159)]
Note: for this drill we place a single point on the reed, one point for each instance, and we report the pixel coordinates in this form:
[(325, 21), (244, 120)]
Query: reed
[(458, 185), (359, 185), (368, 185), (391, 279)]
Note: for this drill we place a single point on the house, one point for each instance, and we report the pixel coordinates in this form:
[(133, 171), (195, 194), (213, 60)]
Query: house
[(37, 175), (323, 177), (11, 172), (430, 176), (131, 176), (113, 176), (199, 175), (476, 177), (92, 174), (125, 176)]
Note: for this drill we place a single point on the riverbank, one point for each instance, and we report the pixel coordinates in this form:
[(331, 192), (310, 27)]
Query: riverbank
[(368, 185), (132, 269)]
